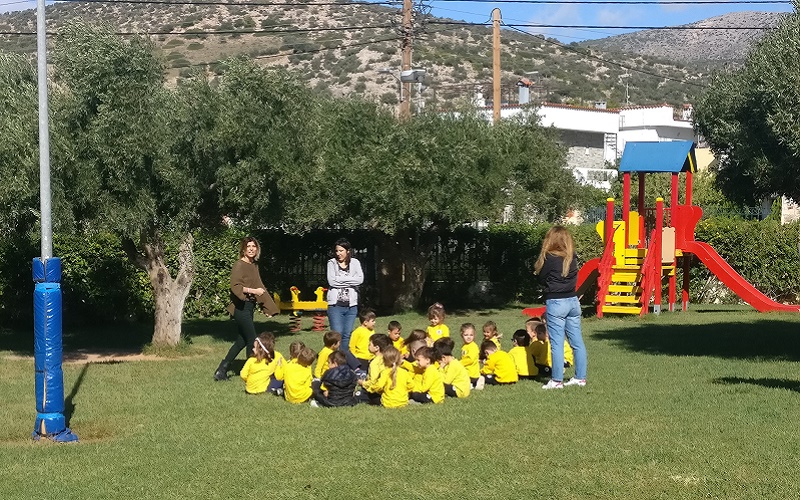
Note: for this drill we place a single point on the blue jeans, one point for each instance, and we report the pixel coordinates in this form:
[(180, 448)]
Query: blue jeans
[(341, 320), (564, 317)]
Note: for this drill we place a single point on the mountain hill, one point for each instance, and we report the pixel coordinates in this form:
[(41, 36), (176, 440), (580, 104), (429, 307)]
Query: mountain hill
[(345, 49), (706, 45)]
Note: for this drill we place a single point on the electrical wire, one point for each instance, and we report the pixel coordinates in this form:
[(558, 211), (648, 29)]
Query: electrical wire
[(629, 2), (621, 27), (223, 32)]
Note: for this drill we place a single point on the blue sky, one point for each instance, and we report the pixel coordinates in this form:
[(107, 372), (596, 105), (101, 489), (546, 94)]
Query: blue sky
[(595, 15), (571, 14)]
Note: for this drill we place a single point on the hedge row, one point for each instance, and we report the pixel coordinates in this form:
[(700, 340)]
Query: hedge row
[(470, 268)]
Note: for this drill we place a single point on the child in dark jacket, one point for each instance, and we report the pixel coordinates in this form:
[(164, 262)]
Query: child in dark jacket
[(337, 384)]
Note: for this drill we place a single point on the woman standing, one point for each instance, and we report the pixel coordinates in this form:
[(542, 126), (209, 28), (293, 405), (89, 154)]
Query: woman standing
[(246, 289), (557, 268), (344, 278)]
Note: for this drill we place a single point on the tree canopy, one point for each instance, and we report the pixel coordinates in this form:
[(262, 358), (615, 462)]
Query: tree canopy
[(750, 117)]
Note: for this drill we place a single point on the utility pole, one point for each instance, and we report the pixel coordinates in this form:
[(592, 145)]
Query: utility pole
[(405, 94), (496, 77)]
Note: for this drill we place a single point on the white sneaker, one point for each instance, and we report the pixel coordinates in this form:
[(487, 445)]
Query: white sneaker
[(552, 384), (314, 403), (480, 383), (580, 382)]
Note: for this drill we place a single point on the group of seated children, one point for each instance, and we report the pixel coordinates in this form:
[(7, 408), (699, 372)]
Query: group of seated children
[(391, 371)]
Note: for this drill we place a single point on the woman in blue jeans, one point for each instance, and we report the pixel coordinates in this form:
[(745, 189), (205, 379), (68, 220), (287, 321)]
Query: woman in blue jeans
[(557, 268), (344, 278)]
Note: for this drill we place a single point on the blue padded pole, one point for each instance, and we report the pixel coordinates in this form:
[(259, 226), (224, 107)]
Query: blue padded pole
[(47, 344)]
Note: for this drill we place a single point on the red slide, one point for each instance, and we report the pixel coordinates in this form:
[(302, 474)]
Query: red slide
[(587, 275), (733, 280)]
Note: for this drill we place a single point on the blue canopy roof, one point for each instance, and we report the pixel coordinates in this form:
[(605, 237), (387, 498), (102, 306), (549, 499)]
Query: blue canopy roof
[(647, 157)]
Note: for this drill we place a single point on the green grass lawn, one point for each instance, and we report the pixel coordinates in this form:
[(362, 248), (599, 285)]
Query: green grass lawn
[(688, 405)]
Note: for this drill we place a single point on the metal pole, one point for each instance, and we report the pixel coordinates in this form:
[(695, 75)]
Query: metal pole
[(44, 134)]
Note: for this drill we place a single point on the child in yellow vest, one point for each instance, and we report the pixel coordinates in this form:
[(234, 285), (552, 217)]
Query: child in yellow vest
[(359, 339), (332, 341), (523, 359), (378, 343), (437, 329), (454, 376), (499, 367), (259, 368), (540, 350), (430, 387), (297, 377), (395, 383), (490, 333), (470, 356), (395, 332)]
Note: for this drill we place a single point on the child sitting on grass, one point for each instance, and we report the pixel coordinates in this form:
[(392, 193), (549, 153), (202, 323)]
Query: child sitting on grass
[(378, 343), (359, 339), (394, 384), (454, 376), (430, 387), (523, 360), (499, 367), (470, 355), (415, 335), (332, 341), (540, 350), (437, 329), (490, 333), (296, 376), (395, 332), (339, 382), (259, 368)]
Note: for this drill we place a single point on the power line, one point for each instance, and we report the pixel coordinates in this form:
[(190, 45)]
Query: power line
[(223, 32), (613, 63), (231, 3), (595, 26), (629, 2)]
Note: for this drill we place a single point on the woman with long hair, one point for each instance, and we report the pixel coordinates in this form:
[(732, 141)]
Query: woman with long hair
[(246, 289), (344, 278), (557, 268)]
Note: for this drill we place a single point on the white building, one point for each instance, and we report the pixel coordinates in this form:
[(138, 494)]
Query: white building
[(596, 137)]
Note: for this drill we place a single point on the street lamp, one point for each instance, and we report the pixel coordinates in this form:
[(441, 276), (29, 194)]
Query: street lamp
[(406, 76)]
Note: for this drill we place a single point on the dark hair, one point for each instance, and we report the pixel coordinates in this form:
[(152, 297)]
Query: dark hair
[(427, 352), (306, 356), (487, 345), (444, 346), (366, 315), (243, 246), (394, 325), (540, 329), (331, 338), (416, 334), (344, 243), (338, 357), (414, 346), (522, 338), (380, 340), (534, 319)]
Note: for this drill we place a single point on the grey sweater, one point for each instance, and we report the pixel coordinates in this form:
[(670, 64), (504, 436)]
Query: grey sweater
[(344, 281)]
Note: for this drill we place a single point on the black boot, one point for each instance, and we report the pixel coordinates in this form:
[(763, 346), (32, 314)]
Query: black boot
[(222, 371)]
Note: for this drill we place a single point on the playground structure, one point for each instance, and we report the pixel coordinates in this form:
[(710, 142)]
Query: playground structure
[(297, 307), (648, 245)]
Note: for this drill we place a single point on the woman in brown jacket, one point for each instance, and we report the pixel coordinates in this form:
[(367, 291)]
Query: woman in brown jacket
[(246, 289)]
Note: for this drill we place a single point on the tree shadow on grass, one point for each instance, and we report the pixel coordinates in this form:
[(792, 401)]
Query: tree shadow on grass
[(225, 329), (771, 339), (770, 383)]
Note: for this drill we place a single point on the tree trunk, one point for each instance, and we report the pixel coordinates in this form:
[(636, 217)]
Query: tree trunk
[(402, 268), (169, 293)]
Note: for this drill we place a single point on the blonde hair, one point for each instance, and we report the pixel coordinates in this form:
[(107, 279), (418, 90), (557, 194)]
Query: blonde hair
[(558, 242), (391, 358)]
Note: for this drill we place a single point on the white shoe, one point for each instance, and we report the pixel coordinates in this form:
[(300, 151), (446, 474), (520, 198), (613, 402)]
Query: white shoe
[(552, 384), (580, 382), (480, 383), (314, 403)]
